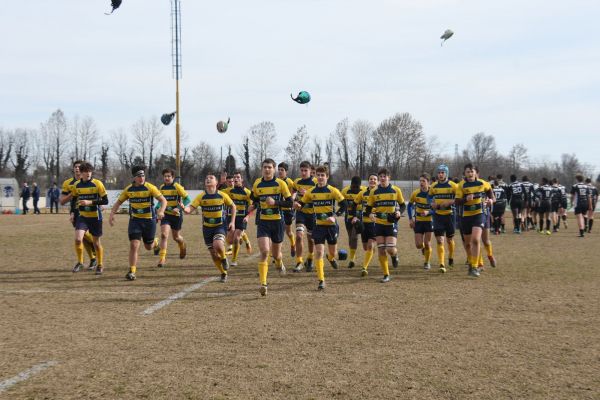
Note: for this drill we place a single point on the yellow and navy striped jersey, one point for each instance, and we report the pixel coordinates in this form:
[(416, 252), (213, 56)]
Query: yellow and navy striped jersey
[(242, 198), (478, 189), (305, 184), (361, 200), (442, 192), (140, 199), (290, 184), (351, 206), (173, 193), (275, 188), (420, 199), (384, 201), (323, 202), (213, 207), (89, 190), (67, 188)]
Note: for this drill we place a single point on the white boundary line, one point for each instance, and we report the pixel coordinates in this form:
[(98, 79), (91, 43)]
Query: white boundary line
[(176, 296), (28, 373), (92, 292)]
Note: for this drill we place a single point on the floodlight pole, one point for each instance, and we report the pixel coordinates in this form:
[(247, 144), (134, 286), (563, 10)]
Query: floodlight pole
[(176, 64)]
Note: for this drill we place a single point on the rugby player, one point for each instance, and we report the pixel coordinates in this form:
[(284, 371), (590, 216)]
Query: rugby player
[(363, 223), (142, 214), (323, 198), (582, 202), (420, 218), (594, 200), (288, 213), (385, 206), (442, 193), (91, 195), (304, 218), (213, 203), (242, 198), (350, 193), (516, 199), (270, 194)]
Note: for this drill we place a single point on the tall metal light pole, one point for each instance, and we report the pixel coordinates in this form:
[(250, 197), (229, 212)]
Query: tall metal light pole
[(176, 62)]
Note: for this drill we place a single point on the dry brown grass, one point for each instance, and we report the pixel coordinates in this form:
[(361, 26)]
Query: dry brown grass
[(528, 329)]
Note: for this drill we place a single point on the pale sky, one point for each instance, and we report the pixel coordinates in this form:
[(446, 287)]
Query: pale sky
[(524, 71)]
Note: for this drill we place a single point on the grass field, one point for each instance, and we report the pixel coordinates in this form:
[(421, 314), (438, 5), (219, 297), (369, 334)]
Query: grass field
[(529, 329)]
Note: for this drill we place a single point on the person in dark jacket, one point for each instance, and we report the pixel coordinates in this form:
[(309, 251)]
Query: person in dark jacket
[(25, 195), (52, 197), (36, 198)]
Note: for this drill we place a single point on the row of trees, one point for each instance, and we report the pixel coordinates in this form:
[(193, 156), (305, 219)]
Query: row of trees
[(352, 148)]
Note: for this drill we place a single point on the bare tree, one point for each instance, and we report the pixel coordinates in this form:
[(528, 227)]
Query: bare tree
[(147, 135), (104, 160), (296, 148), (123, 151), (517, 157), (343, 145), (230, 166), (482, 150), (262, 142), (362, 130), (316, 154), (56, 129), (84, 137), (244, 154), (22, 153), (6, 146)]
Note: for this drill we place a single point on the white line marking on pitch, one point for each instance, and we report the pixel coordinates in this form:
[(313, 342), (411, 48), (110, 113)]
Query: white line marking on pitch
[(177, 296), (34, 291), (28, 373)]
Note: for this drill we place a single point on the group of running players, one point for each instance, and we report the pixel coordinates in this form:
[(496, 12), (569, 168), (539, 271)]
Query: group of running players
[(305, 210)]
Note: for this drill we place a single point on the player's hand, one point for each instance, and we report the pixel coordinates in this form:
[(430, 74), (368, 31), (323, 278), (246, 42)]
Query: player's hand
[(435, 206), (270, 201), (245, 220), (301, 191), (397, 214), (71, 217), (411, 223), (331, 219), (231, 226), (372, 217), (469, 197), (354, 220), (160, 215), (111, 219), (84, 203)]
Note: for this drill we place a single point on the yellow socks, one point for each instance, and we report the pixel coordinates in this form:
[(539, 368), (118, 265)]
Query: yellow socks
[(320, 267), (245, 238), (310, 256), (330, 257), (79, 252), (480, 260), (279, 262), (488, 249), (427, 253), (162, 255), (219, 266), (88, 245), (299, 259), (451, 246), (352, 254), (368, 257), (132, 269), (441, 254), (100, 255), (292, 237), (236, 251), (263, 268), (383, 262)]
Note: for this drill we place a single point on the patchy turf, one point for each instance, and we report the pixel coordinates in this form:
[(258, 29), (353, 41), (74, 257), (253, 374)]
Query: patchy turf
[(527, 329)]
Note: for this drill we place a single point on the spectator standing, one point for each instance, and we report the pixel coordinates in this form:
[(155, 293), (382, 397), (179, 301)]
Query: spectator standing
[(52, 197), (25, 195), (36, 198)]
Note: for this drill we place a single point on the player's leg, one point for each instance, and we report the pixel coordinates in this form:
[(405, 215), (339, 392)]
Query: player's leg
[(79, 232), (134, 246), (165, 232), (352, 243), (237, 234), (218, 253), (427, 250), (300, 232)]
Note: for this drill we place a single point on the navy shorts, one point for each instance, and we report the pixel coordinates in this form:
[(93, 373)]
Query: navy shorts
[(142, 229), (326, 233), (444, 225), (175, 221), (93, 225), (288, 217), (423, 227), (211, 233), (240, 224), (308, 220), (386, 230), (555, 206), (272, 229), (368, 232), (349, 227), (470, 222), (545, 207)]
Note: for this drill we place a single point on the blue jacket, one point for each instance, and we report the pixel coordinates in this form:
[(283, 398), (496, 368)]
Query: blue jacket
[(36, 193)]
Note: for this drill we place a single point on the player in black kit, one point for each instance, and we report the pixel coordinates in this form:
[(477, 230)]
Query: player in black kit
[(582, 201), (516, 197)]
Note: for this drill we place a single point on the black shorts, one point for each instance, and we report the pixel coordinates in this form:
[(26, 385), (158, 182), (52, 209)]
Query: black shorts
[(240, 224), (545, 207), (350, 227), (470, 222), (93, 225), (555, 206), (423, 227), (368, 232), (212, 233), (288, 217), (386, 230), (564, 204), (142, 229), (308, 220), (274, 230), (326, 233), (444, 225), (498, 213), (174, 221), (516, 204), (581, 210)]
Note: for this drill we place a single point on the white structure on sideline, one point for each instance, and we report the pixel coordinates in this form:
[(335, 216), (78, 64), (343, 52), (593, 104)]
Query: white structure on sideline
[(9, 194)]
